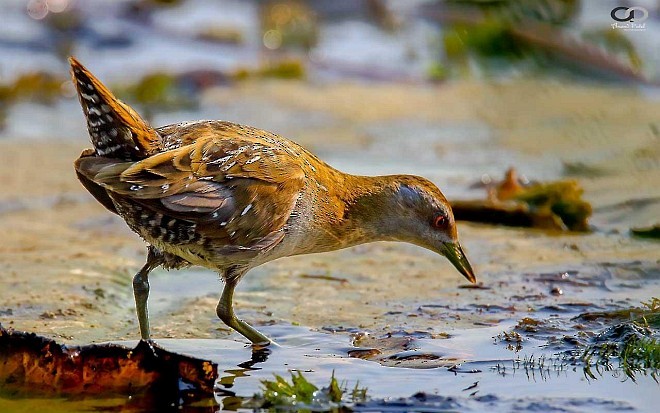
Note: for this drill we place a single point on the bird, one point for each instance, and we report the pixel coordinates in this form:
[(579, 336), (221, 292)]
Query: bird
[(230, 197)]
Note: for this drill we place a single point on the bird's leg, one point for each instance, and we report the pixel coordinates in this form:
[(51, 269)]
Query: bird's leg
[(225, 311), (141, 290)]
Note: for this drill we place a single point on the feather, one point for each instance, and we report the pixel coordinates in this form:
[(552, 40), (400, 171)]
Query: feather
[(115, 129), (210, 183)]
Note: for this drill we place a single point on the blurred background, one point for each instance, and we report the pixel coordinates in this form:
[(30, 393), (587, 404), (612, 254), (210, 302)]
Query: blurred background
[(455, 90), (182, 59), (178, 59), (449, 89)]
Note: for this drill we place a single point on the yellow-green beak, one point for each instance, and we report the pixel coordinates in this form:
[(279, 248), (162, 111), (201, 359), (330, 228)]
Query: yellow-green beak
[(455, 254)]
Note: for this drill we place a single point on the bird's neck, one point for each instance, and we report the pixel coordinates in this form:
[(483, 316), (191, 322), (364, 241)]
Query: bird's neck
[(368, 208)]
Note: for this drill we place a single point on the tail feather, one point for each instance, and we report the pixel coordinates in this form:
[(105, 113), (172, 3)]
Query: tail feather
[(115, 129)]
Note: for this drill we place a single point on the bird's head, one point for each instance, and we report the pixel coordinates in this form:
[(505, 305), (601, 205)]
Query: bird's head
[(420, 214)]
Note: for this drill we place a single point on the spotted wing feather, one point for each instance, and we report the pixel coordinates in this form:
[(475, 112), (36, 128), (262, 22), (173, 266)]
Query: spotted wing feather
[(239, 195)]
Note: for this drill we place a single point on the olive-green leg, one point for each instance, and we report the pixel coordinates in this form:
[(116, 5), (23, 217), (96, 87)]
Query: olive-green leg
[(225, 311), (141, 291)]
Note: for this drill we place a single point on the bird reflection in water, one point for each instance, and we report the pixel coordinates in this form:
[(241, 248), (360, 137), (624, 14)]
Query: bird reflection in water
[(226, 382)]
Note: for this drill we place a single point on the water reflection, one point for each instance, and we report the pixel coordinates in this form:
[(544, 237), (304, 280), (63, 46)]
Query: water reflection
[(226, 382), (536, 374)]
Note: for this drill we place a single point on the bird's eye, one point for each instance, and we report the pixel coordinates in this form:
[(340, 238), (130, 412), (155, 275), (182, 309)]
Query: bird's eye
[(440, 221)]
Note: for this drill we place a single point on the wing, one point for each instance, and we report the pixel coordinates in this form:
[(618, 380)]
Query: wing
[(97, 191), (238, 192)]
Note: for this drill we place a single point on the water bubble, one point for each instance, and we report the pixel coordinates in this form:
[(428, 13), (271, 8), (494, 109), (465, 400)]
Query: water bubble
[(272, 39), (37, 9), (67, 89)]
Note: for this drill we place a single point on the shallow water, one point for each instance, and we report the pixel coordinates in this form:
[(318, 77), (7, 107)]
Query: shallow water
[(470, 366), (317, 354), (478, 374)]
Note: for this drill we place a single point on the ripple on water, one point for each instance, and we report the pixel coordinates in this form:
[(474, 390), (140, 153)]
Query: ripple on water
[(472, 371)]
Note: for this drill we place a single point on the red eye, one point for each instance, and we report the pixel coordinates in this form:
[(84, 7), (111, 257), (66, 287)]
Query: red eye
[(440, 221)]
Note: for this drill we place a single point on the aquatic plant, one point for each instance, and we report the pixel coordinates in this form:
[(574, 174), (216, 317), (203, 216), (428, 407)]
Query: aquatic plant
[(627, 347), (304, 395), (633, 342), (513, 339), (636, 354), (542, 365)]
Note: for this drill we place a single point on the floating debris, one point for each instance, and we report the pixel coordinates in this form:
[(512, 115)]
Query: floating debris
[(652, 232), (554, 205), (325, 277), (35, 365), (556, 291), (583, 170)]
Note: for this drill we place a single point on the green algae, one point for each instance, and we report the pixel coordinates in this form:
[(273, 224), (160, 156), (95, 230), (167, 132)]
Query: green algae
[(562, 199), (287, 69)]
